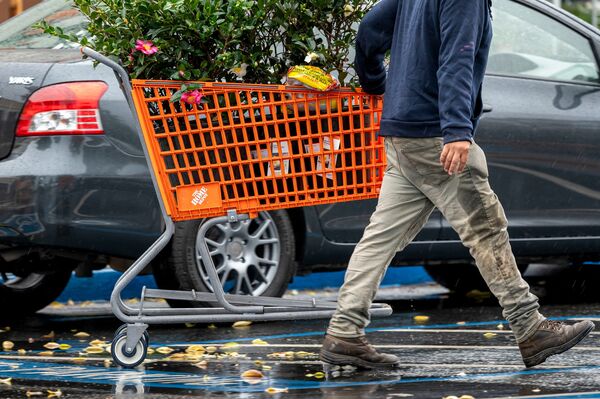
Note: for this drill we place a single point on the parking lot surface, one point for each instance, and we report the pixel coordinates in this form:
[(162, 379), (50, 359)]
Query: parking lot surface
[(458, 348)]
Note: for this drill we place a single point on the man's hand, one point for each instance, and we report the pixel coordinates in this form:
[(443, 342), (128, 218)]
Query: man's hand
[(454, 156)]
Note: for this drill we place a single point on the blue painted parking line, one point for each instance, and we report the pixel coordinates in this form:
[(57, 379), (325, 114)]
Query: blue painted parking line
[(54, 371), (100, 285)]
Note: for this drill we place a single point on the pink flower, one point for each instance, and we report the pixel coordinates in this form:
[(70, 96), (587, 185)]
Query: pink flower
[(192, 97), (146, 47)]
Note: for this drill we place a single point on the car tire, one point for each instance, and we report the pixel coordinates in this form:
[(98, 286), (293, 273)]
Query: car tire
[(31, 292), (460, 278), (238, 251)]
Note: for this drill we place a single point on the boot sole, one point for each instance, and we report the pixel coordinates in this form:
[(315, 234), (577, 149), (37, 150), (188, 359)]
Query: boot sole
[(546, 353), (341, 360)]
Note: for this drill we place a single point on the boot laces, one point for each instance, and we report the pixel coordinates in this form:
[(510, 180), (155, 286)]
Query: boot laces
[(553, 325)]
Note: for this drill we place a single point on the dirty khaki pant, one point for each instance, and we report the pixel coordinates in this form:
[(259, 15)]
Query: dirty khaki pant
[(414, 184)]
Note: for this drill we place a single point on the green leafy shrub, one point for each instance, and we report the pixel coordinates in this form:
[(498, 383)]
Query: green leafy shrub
[(251, 40)]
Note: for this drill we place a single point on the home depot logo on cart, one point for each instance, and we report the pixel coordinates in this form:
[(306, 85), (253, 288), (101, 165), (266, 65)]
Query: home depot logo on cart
[(206, 196)]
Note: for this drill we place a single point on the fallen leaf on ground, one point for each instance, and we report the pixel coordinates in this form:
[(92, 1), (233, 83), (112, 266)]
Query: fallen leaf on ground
[(98, 342), (201, 365), (49, 335), (451, 397), (64, 347), (54, 394), (536, 390), (165, 350), (212, 326), (490, 335), (6, 381), (267, 368), (230, 345), (81, 334), (93, 349), (319, 374), (500, 326), (466, 397), (195, 348), (71, 302), (46, 353), (150, 351), (8, 345), (242, 323), (272, 390), (211, 349), (107, 362), (190, 325), (259, 342), (79, 360), (177, 356), (21, 351), (33, 393), (51, 345), (461, 323), (57, 305), (252, 374), (421, 319)]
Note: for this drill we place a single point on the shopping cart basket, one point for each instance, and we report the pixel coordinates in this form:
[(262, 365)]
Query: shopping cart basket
[(248, 148)]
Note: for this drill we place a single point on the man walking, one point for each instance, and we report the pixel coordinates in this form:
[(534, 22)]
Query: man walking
[(432, 104)]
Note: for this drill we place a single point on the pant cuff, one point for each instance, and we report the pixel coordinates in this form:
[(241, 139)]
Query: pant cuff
[(529, 332)]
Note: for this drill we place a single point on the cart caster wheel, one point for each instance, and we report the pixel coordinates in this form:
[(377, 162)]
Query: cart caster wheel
[(123, 328), (124, 358)]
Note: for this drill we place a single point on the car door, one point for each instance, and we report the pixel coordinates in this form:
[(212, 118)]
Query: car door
[(542, 134)]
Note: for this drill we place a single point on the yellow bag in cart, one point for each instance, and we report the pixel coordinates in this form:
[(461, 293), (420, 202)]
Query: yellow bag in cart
[(312, 77), (315, 79)]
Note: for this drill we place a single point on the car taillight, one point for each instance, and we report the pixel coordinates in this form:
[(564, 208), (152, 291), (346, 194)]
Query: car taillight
[(65, 108)]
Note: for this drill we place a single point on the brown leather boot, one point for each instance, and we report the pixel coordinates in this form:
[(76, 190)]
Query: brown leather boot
[(551, 338), (355, 351)]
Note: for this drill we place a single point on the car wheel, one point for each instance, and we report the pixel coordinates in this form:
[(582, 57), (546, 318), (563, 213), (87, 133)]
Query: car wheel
[(29, 292), (461, 278), (254, 257)]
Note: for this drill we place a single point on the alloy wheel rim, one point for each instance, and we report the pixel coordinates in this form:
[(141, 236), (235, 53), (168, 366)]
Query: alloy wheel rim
[(246, 255)]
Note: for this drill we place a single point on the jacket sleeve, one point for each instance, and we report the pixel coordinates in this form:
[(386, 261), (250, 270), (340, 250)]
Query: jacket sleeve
[(373, 40), (461, 28)]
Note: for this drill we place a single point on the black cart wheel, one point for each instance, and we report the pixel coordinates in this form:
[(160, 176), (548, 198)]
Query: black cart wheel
[(128, 359)]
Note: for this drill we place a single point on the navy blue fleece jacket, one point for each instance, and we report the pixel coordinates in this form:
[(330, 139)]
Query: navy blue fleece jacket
[(439, 51)]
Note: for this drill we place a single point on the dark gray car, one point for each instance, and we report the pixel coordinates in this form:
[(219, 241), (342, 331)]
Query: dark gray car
[(75, 191)]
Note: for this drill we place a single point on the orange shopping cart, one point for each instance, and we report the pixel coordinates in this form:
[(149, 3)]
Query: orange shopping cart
[(248, 148)]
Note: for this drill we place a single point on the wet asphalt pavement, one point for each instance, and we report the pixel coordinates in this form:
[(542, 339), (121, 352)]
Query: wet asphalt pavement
[(463, 348)]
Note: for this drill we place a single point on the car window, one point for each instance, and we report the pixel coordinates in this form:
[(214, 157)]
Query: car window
[(529, 43), (18, 32)]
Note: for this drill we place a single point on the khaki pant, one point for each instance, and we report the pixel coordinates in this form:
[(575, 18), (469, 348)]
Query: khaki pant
[(414, 184)]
